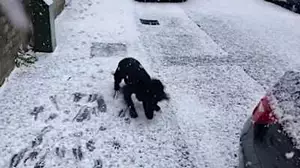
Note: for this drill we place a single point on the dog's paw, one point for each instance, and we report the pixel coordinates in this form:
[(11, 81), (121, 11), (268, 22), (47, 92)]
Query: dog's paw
[(133, 113), (149, 116), (157, 108), (116, 94)]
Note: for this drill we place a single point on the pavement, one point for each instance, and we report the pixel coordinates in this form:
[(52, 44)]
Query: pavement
[(216, 59)]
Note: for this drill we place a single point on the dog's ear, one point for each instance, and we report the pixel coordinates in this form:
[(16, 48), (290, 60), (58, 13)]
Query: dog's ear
[(166, 97), (158, 88)]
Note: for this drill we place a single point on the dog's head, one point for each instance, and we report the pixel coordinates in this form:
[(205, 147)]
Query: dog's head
[(155, 95), (157, 91)]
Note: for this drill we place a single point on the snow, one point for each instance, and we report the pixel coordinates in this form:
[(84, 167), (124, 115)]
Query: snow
[(204, 96), (48, 2), (211, 92), (261, 36), (284, 98), (289, 155), (248, 164)]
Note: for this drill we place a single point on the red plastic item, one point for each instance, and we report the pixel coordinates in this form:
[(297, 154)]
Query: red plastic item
[(263, 113)]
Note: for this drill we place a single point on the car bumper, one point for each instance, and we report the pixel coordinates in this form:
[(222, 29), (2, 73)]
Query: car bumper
[(247, 155)]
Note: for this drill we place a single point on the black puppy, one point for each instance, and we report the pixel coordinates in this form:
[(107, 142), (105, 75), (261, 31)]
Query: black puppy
[(137, 80)]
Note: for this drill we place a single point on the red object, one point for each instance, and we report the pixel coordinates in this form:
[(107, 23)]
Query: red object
[(263, 113)]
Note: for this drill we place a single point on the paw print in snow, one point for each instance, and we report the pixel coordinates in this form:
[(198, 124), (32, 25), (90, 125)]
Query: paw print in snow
[(54, 101), (32, 156), (67, 111), (16, 159), (41, 163), (37, 141), (101, 104), (83, 114), (60, 152), (77, 152), (36, 111), (98, 163), (78, 96), (122, 113), (90, 145), (46, 129), (102, 128), (127, 120), (116, 145), (51, 117), (92, 97)]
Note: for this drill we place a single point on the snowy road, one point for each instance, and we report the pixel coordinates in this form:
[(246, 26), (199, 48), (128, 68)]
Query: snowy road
[(213, 57)]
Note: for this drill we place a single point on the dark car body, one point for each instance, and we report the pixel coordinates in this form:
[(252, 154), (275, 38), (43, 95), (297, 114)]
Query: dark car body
[(293, 5), (264, 143), (266, 151)]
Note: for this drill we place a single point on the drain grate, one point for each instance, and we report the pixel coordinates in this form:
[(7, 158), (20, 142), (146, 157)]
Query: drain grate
[(108, 49), (149, 22)]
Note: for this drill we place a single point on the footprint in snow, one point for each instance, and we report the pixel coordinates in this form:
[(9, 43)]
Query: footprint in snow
[(42, 162), (32, 156), (116, 145), (77, 152), (78, 96), (52, 116), (98, 163), (90, 145), (16, 158), (36, 111), (60, 151)]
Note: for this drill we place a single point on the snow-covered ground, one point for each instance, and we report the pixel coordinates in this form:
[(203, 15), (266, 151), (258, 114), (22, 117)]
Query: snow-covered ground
[(264, 35), (205, 68)]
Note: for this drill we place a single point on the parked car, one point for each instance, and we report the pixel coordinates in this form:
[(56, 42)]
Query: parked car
[(270, 138), (293, 5)]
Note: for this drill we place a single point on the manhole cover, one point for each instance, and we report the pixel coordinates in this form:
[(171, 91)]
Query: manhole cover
[(149, 22), (108, 49)]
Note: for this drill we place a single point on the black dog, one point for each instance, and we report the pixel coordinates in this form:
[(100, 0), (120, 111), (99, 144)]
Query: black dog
[(137, 80)]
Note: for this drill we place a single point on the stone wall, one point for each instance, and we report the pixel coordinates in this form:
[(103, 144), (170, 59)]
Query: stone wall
[(10, 41), (59, 6)]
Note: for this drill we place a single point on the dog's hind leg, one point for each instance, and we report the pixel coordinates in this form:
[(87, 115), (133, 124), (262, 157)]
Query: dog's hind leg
[(127, 91)]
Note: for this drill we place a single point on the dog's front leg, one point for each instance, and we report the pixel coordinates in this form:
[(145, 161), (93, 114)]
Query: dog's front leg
[(116, 94), (148, 110), (127, 91), (118, 79)]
